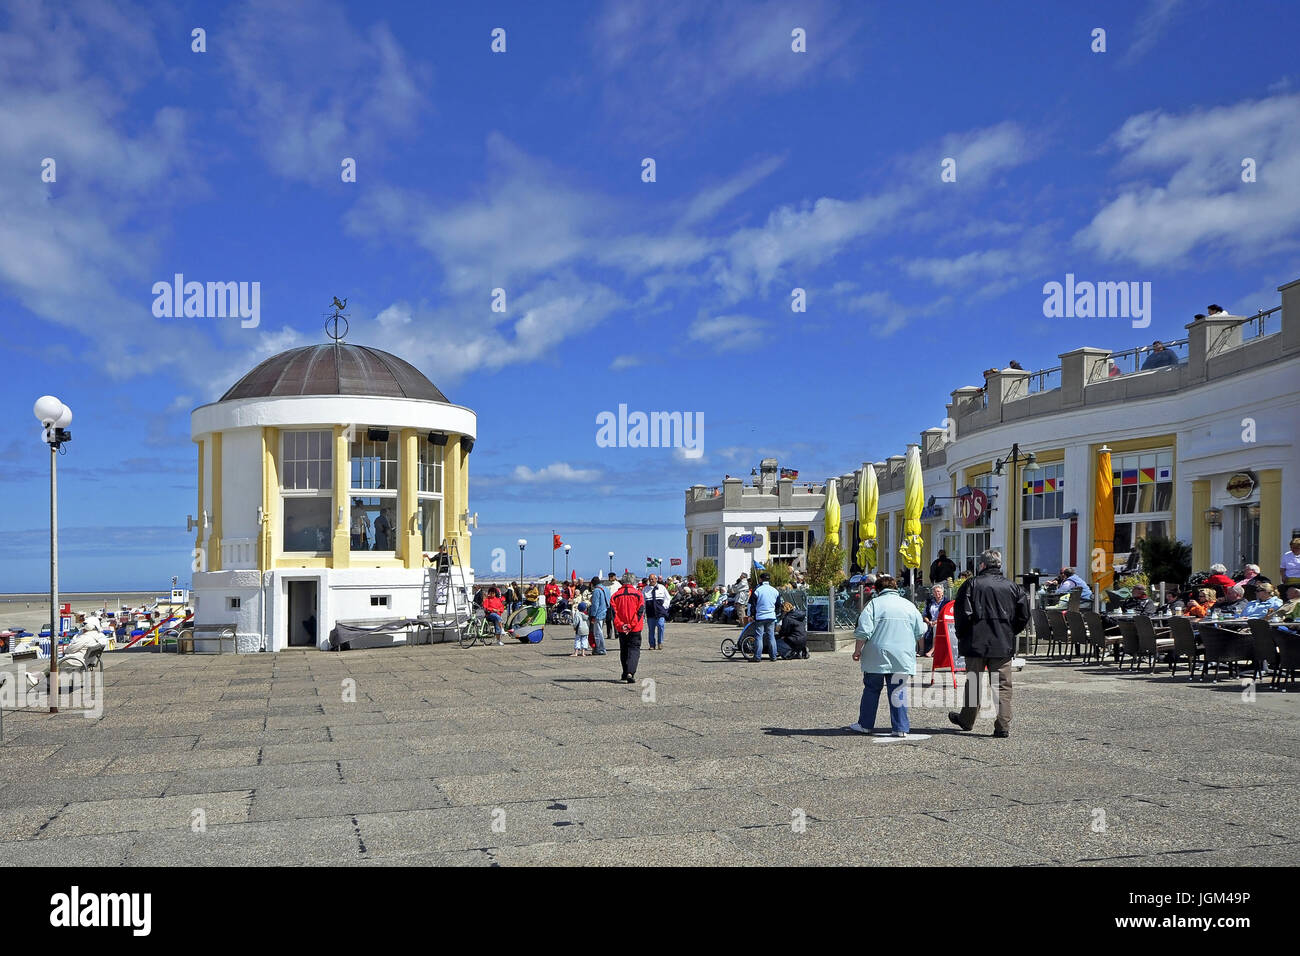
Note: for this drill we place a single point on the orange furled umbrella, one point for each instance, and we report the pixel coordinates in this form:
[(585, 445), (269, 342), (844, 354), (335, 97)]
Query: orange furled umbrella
[(1103, 525)]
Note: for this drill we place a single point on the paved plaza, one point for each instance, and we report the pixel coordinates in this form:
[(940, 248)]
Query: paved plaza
[(522, 755)]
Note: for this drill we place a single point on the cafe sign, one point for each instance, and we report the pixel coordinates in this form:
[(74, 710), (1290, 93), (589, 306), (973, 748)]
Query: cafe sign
[(972, 506), (752, 539), (1241, 484)]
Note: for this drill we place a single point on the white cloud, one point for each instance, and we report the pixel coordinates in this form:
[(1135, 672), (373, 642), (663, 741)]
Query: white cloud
[(725, 326), (624, 361), (1193, 196), (1150, 26), (707, 202), (314, 89), (558, 472)]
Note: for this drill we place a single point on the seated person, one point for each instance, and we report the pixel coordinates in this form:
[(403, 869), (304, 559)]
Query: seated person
[(1219, 579), (494, 607), (1139, 603), (1289, 611), (1160, 357), (1233, 602), (1201, 603), (1067, 580), (1265, 603), (792, 634)]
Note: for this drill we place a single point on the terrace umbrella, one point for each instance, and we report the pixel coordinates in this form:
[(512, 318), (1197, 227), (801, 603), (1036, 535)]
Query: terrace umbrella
[(832, 522), (913, 502), (868, 503), (1103, 524)]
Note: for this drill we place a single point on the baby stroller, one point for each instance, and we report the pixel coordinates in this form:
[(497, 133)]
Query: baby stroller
[(744, 643)]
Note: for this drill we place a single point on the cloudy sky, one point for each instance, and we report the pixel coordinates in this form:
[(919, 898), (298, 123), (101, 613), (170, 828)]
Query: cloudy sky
[(774, 170)]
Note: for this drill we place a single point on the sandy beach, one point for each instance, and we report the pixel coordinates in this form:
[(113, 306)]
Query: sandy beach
[(32, 611)]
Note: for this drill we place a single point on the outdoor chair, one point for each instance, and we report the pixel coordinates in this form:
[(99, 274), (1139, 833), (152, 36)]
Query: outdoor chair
[(1078, 631), (1288, 658), (1129, 646), (1042, 629), (1101, 640), (1223, 646), (1060, 633), (1265, 638), (1151, 643), (1072, 599), (1185, 645)]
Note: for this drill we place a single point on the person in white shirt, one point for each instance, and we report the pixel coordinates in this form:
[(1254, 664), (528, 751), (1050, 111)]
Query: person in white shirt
[(657, 600), (1291, 563)]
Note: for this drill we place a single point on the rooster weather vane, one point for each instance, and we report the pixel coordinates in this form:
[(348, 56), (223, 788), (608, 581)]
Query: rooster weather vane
[(334, 318)]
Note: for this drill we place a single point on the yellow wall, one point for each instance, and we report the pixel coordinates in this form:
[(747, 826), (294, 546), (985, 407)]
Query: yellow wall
[(1200, 529), (408, 500), (341, 539), (1270, 519), (268, 547), (201, 563)]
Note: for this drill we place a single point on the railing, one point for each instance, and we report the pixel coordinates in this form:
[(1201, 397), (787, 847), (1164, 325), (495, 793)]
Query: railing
[(1131, 360), (1044, 380), (1256, 325)]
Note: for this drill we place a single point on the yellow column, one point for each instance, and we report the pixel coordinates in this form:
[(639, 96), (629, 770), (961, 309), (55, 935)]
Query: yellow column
[(408, 500), (1270, 520), (1200, 529), (341, 539), (201, 564), (268, 547), (455, 496), (214, 539)]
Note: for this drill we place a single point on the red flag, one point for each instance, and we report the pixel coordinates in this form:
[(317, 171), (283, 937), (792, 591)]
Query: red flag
[(673, 562), (556, 543)]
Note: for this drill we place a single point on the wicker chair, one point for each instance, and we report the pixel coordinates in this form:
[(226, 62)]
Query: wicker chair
[(1185, 645), (1129, 646), (1042, 629), (1223, 646), (1100, 640), (1288, 658), (1151, 643), (1265, 637), (1060, 632), (1078, 631)]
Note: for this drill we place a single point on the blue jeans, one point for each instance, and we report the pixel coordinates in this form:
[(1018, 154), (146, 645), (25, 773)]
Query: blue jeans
[(764, 632), (598, 632), (872, 685), (657, 627)]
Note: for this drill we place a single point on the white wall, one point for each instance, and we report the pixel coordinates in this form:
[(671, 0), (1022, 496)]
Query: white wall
[(241, 482)]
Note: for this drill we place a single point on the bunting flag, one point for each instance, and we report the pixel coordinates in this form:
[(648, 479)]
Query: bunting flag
[(1043, 486), (556, 543)]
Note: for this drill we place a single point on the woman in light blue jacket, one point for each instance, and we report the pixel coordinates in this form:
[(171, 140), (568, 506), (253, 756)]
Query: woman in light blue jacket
[(887, 631)]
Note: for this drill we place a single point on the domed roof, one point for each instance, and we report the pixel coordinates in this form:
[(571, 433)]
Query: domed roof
[(335, 369)]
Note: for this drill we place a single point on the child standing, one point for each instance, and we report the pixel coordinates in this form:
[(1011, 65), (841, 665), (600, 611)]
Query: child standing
[(580, 632)]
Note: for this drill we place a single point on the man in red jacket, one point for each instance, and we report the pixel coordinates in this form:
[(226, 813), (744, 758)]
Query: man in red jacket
[(628, 605)]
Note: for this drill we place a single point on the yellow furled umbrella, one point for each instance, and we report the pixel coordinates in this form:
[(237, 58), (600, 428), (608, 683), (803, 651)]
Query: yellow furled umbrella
[(868, 503), (1103, 525), (832, 522), (913, 502)]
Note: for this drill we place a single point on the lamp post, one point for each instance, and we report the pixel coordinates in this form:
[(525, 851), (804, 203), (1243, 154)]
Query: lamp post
[(611, 562), (523, 543), (1014, 458), (54, 417), (566, 561)]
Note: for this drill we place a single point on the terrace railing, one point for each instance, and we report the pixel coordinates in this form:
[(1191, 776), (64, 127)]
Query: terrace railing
[(1130, 360)]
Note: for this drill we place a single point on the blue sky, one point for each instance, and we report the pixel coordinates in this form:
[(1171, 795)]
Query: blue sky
[(522, 170)]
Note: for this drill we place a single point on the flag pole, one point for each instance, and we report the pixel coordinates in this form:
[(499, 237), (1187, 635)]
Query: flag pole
[(552, 555)]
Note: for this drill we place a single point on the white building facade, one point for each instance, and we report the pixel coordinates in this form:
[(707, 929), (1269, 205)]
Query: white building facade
[(1206, 451)]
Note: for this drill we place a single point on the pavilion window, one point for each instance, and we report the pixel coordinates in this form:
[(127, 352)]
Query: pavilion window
[(306, 490), (1143, 492), (374, 473), (429, 494)]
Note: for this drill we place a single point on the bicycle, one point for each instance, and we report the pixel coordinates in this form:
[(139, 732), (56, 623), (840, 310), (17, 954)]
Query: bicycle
[(556, 615), (478, 630)]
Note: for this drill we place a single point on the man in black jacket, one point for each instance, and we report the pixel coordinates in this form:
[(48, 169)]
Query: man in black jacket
[(942, 568), (990, 611)]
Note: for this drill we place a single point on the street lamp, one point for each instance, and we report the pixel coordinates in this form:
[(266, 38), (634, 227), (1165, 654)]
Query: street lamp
[(611, 562), (566, 561), (523, 543), (54, 417), (1014, 458)]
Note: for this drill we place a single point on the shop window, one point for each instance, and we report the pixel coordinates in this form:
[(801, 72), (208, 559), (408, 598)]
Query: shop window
[(711, 546)]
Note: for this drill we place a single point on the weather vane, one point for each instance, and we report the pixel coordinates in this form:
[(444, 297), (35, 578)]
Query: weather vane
[(334, 317)]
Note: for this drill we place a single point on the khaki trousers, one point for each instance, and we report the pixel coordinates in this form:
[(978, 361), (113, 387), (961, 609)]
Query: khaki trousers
[(999, 669)]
